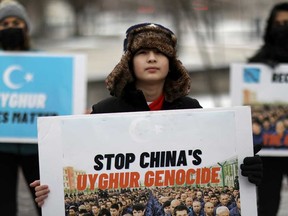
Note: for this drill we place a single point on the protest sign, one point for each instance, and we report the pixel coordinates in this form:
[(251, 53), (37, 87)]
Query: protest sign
[(264, 89), (38, 84), (154, 153)]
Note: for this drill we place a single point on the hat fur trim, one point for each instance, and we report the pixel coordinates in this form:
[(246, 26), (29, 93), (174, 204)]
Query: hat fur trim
[(177, 82)]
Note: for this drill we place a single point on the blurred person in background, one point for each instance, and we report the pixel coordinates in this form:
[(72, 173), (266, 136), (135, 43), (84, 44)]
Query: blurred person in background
[(273, 52), (14, 36), (275, 48)]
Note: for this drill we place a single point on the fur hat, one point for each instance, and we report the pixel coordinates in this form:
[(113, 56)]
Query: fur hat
[(154, 36), (10, 8)]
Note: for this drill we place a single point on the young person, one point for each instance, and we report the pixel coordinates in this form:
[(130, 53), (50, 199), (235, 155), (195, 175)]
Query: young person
[(273, 52), (150, 77), (14, 36)]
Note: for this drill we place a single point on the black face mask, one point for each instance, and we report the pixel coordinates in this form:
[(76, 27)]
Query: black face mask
[(279, 36), (278, 43), (12, 39)]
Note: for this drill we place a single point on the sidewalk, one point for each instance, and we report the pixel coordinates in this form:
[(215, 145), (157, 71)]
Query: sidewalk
[(25, 201)]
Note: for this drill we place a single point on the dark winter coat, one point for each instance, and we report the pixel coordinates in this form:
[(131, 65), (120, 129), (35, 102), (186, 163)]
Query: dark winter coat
[(134, 101)]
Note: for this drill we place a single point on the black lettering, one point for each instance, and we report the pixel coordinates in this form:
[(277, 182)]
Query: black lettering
[(162, 159), (25, 118), (182, 159), (4, 117), (109, 159), (16, 117), (130, 158), (32, 117), (144, 164), (99, 164), (196, 156), (170, 158), (154, 159), (119, 161), (280, 78)]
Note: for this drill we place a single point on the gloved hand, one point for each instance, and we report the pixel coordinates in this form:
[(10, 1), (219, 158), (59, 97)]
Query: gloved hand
[(252, 167)]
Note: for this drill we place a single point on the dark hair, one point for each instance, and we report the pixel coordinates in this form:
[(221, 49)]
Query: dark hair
[(114, 206), (81, 211), (277, 8), (138, 207), (237, 197), (73, 207), (180, 208), (104, 212), (167, 203)]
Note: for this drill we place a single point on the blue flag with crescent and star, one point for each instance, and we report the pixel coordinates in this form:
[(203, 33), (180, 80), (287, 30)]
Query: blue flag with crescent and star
[(33, 86)]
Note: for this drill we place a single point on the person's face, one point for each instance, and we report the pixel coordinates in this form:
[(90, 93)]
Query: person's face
[(124, 203), (224, 199), (181, 213), (108, 204), (174, 203), (209, 208), (281, 18), (238, 203), (199, 195), (95, 209), (183, 197), (266, 124), (256, 128), (88, 207), (138, 213), (235, 193), (196, 207), (114, 212), (280, 127), (213, 200), (167, 210), (150, 67), (12, 22), (206, 198), (188, 202), (72, 212)]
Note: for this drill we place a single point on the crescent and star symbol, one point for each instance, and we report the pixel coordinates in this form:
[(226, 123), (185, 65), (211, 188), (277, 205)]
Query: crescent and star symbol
[(28, 77)]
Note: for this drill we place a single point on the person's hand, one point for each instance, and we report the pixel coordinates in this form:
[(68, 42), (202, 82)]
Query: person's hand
[(252, 167), (41, 192)]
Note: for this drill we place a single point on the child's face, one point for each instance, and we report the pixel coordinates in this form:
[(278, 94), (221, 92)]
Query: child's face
[(150, 67)]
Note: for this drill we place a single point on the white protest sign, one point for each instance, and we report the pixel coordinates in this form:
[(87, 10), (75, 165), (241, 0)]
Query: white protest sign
[(265, 89), (146, 151)]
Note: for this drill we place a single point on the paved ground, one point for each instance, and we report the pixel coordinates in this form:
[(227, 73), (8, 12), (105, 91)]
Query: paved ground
[(25, 201), (26, 207)]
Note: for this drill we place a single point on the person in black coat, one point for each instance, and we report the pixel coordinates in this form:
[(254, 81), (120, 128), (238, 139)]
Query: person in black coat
[(147, 72), (275, 47), (15, 29), (150, 77), (273, 52)]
